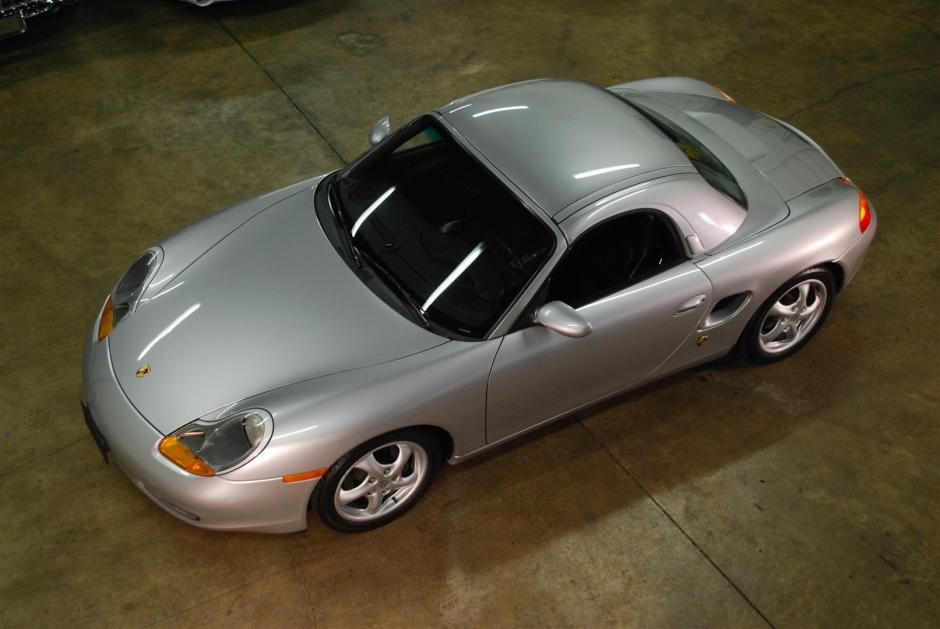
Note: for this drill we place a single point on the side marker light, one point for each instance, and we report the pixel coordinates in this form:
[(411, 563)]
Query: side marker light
[(301, 476)]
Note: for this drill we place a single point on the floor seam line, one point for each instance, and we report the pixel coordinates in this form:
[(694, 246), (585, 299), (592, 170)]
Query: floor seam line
[(40, 456), (676, 524), (282, 91), (862, 83), (220, 595)]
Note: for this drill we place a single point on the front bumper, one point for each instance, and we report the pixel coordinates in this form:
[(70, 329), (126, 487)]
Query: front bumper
[(13, 13), (204, 3), (264, 506), (30, 8)]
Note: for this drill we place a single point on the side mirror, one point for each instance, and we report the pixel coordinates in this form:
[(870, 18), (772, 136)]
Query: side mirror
[(380, 130), (562, 318)]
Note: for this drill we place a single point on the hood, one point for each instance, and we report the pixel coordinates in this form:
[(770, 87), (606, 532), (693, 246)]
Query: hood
[(271, 304), (791, 162), (185, 246)]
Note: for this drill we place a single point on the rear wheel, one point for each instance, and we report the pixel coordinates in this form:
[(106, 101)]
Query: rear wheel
[(378, 481), (790, 317)]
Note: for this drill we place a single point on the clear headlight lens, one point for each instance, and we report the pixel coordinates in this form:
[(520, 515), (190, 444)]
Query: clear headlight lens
[(210, 447), (125, 297)]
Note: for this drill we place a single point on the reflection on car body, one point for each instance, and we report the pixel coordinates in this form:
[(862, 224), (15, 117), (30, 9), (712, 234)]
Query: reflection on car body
[(491, 266)]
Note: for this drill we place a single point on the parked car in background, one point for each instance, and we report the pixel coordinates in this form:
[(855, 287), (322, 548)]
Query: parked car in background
[(204, 3), (491, 266), (15, 13)]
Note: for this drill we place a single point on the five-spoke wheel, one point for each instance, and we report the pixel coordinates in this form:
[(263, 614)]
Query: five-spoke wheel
[(378, 481), (790, 316), (381, 481)]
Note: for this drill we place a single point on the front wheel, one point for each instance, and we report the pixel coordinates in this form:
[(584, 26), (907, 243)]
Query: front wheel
[(378, 481), (790, 317)]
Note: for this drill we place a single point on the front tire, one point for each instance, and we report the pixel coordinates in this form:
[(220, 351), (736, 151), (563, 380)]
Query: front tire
[(790, 316), (377, 481)]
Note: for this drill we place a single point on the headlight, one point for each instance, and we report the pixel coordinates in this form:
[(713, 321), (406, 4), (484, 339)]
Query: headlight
[(210, 447), (125, 297)]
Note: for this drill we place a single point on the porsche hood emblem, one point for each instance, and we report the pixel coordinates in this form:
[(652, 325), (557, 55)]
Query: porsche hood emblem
[(143, 371)]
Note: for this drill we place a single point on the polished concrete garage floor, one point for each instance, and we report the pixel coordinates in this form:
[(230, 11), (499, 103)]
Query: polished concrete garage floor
[(805, 493)]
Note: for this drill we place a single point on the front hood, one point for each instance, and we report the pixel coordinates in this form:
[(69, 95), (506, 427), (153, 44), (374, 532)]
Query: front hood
[(270, 305), (788, 159)]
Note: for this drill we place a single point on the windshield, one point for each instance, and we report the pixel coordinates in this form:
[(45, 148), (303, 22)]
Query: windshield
[(441, 228)]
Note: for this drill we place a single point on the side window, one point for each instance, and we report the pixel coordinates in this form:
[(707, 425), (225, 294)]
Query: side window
[(613, 255), (426, 138)]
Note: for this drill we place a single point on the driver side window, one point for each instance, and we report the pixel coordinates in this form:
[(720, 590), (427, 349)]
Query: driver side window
[(615, 254)]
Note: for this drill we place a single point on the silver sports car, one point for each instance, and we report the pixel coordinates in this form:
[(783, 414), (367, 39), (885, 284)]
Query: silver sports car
[(491, 266)]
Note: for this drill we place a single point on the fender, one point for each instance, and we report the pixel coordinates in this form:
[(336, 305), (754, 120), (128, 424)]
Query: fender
[(672, 85)]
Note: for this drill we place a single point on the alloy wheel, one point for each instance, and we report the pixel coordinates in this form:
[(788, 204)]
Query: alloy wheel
[(793, 316), (381, 482)]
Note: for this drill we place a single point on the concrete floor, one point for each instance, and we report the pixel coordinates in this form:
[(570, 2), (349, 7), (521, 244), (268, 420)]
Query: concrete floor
[(800, 494)]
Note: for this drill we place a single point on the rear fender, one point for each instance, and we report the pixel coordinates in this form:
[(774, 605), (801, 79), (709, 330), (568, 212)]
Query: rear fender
[(821, 229), (671, 85)]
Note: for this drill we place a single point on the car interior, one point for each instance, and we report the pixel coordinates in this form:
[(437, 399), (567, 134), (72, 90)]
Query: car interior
[(614, 255), (444, 206)]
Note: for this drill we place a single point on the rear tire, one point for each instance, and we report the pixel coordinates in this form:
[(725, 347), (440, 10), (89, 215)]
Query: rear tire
[(790, 317), (378, 481)]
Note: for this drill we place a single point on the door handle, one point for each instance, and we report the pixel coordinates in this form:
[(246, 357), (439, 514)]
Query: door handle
[(689, 305)]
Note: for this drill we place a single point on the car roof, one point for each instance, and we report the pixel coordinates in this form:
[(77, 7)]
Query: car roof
[(561, 140)]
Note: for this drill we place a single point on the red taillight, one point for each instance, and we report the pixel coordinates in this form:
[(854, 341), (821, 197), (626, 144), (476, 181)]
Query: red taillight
[(864, 211), (864, 208)]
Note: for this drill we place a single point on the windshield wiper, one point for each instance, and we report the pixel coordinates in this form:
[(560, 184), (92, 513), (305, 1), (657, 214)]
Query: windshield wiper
[(341, 226), (400, 290)]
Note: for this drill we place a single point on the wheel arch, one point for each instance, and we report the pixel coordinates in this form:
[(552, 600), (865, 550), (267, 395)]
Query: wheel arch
[(837, 271), (833, 267), (442, 436)]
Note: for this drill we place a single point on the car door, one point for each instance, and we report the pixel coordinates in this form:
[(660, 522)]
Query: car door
[(630, 278)]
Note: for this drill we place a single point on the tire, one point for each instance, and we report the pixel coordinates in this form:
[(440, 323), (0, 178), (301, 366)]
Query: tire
[(790, 317), (377, 481)]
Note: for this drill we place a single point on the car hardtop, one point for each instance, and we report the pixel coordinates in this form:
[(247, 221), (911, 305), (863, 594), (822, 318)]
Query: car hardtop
[(562, 140)]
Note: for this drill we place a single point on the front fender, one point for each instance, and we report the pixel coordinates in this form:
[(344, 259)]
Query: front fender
[(318, 421)]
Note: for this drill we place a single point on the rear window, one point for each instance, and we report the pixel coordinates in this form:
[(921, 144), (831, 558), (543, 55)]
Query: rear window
[(705, 162)]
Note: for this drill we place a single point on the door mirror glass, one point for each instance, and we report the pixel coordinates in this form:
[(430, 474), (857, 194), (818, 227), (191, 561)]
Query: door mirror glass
[(380, 130), (562, 318)]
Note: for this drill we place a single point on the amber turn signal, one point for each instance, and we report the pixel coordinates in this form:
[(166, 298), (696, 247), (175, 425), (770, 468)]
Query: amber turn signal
[(296, 478), (106, 321), (724, 94), (175, 450)]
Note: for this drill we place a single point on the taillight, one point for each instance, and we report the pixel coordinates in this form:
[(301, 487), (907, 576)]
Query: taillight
[(864, 211), (864, 208)]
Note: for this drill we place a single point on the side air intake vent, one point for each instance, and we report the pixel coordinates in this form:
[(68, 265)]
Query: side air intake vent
[(725, 309)]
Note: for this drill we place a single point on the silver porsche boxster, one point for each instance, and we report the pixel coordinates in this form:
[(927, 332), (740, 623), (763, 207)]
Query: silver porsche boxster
[(493, 265)]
